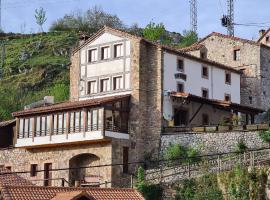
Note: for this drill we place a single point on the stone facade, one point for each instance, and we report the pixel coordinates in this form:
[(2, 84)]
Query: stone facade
[(212, 143), (75, 76), (254, 62)]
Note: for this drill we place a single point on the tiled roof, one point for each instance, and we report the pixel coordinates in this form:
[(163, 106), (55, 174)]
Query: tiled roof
[(7, 123), (220, 103), (70, 105), (164, 47), (8, 178), (48, 193), (193, 47), (72, 195)]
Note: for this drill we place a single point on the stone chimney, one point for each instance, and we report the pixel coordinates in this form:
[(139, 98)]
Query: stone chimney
[(261, 32)]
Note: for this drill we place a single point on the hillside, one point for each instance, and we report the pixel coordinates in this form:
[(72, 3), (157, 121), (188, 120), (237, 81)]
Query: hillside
[(34, 66)]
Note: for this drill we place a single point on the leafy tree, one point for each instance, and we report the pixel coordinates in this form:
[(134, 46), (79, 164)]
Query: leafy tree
[(89, 21), (189, 38), (265, 136), (156, 32), (40, 15)]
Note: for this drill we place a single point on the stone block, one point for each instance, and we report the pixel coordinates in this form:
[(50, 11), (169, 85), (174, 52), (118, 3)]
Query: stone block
[(252, 127), (223, 128), (198, 129), (263, 126), (238, 128), (210, 129)]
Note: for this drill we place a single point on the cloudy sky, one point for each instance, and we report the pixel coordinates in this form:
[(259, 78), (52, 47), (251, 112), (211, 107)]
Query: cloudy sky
[(18, 15)]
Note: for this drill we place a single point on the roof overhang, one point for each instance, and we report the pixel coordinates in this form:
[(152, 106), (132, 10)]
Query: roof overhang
[(225, 105), (66, 106)]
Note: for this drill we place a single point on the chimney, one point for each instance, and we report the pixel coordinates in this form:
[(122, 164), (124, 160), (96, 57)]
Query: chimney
[(261, 32)]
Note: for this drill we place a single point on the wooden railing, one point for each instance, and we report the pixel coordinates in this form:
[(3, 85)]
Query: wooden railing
[(217, 128)]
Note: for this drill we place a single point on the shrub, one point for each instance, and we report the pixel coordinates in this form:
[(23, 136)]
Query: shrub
[(177, 154), (241, 147), (265, 136)]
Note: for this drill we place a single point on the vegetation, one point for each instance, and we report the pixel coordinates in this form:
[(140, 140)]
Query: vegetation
[(205, 187), (241, 147), (35, 66), (40, 16), (189, 38), (148, 190), (156, 32), (177, 154), (265, 136)]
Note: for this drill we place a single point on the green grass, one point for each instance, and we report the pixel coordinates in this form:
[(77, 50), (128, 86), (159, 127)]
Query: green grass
[(43, 71)]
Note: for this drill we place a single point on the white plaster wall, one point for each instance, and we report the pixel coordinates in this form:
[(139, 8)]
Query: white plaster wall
[(105, 38), (194, 83), (104, 68)]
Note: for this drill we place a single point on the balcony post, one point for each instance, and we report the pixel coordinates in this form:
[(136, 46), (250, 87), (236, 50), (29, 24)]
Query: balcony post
[(104, 122), (51, 126), (17, 130), (34, 128), (67, 124), (84, 122)]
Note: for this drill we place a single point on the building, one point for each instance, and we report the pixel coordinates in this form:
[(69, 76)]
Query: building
[(15, 187), (251, 57), (124, 91)]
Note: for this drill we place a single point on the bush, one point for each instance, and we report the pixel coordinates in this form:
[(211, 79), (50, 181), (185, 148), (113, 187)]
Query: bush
[(241, 147), (148, 190), (177, 154), (265, 136)]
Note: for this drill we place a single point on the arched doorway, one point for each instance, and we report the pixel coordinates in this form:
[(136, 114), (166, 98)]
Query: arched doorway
[(82, 174)]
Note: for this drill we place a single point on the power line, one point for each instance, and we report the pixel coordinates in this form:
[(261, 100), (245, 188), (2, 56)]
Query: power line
[(137, 162)]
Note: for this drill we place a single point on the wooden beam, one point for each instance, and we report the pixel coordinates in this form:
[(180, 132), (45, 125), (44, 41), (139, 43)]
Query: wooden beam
[(195, 114)]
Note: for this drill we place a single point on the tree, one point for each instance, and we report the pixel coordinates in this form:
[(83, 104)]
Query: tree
[(89, 21), (265, 136), (156, 32), (40, 15), (189, 38)]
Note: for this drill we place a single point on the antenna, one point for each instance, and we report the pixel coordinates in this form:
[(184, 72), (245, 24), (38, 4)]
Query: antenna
[(228, 20), (193, 15)]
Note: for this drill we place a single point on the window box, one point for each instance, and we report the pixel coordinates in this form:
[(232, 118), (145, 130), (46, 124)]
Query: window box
[(252, 127), (223, 128), (198, 129), (210, 129), (263, 126), (238, 128)]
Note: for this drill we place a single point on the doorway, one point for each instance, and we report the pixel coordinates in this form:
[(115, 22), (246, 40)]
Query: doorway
[(48, 174), (180, 117)]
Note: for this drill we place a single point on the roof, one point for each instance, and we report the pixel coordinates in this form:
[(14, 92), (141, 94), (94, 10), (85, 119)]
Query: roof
[(57, 193), (69, 105), (7, 123), (72, 195), (196, 46), (221, 104), (164, 47), (8, 178), (263, 35)]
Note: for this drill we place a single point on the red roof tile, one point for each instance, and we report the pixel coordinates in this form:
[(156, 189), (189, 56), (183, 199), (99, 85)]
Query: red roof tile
[(70, 105), (47, 193), (8, 178)]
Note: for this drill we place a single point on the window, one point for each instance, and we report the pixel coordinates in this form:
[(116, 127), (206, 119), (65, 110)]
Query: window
[(48, 174), (118, 50), (91, 87), (267, 39), (236, 54), (180, 65), (227, 77), (125, 159), (204, 72), (117, 83), (180, 87), (250, 99), (205, 120), (105, 53), (92, 55), (205, 93), (227, 97), (105, 85), (8, 168), (33, 170)]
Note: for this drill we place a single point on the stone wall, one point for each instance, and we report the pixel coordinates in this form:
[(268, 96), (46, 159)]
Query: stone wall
[(21, 159), (211, 143), (74, 76)]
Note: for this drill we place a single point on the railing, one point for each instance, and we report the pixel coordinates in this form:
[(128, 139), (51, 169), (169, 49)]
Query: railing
[(63, 182), (217, 128), (115, 128), (212, 164)]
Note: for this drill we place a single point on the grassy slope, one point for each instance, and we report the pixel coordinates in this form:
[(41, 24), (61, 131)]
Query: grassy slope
[(35, 66)]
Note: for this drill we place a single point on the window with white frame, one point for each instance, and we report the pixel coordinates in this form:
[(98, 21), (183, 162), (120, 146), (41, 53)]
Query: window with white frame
[(118, 50), (105, 85), (92, 87), (92, 55), (105, 53), (117, 83)]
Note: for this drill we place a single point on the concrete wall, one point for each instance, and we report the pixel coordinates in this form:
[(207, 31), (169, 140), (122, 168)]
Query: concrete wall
[(211, 143)]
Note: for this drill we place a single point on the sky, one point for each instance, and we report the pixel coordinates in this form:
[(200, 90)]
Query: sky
[(18, 15)]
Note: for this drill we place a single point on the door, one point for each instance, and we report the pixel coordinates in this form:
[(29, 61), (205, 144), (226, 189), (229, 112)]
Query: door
[(180, 117), (47, 174)]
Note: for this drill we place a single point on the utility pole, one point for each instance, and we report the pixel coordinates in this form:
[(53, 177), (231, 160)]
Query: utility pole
[(193, 15), (228, 20)]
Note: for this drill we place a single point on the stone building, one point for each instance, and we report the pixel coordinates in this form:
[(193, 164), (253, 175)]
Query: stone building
[(124, 90), (251, 57)]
